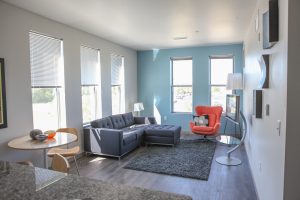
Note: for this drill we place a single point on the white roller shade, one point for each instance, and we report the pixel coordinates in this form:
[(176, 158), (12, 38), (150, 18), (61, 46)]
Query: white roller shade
[(117, 70), (90, 66), (46, 61), (182, 72)]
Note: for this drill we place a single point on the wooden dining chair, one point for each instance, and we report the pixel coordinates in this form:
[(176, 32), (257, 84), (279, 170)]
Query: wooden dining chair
[(60, 164), (72, 152)]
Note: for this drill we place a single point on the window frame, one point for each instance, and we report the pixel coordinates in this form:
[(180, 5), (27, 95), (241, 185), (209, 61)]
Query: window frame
[(121, 86), (96, 88), (172, 86), (59, 90), (97, 112), (219, 85), (120, 99), (58, 96)]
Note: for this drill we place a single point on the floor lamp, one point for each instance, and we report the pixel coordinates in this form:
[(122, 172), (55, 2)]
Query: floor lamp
[(234, 82)]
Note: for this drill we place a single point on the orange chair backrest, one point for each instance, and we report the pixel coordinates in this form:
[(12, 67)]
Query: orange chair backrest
[(206, 110)]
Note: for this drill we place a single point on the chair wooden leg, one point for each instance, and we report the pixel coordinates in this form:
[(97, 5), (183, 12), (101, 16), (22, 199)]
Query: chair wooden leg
[(76, 165)]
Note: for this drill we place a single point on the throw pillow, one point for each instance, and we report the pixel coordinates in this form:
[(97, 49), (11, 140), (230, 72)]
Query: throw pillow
[(206, 119), (201, 120)]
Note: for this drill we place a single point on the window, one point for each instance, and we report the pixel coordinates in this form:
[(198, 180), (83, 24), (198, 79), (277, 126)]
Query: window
[(90, 81), (182, 84), (117, 84), (47, 82), (220, 67)]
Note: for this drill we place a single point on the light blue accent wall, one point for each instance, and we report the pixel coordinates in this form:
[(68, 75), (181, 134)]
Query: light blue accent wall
[(154, 78)]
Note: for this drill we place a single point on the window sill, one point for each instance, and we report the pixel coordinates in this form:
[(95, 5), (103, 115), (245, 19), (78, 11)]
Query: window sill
[(181, 113)]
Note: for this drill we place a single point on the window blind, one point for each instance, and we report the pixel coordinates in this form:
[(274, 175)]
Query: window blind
[(90, 66), (182, 72), (46, 61), (220, 68), (117, 70)]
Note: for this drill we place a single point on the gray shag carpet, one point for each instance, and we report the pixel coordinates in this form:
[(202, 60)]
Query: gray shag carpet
[(190, 158)]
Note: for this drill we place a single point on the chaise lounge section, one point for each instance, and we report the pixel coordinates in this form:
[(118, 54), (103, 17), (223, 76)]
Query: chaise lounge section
[(117, 135), (162, 134)]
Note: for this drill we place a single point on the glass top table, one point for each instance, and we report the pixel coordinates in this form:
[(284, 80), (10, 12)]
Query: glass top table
[(26, 143), (227, 139)]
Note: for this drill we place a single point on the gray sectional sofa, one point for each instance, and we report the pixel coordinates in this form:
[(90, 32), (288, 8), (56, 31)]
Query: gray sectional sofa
[(117, 135)]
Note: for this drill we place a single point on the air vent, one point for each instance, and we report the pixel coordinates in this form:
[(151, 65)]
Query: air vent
[(180, 38)]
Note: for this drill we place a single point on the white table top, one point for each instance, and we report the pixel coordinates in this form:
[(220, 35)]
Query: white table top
[(26, 143)]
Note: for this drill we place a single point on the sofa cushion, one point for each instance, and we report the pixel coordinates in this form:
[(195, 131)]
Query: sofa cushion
[(162, 130), (102, 123), (203, 129), (139, 120), (129, 137), (128, 119), (138, 129), (117, 121)]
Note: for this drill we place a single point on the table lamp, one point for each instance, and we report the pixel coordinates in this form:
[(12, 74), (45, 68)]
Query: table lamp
[(138, 107)]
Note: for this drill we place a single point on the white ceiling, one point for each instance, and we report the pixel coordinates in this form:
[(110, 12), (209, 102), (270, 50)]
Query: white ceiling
[(149, 24)]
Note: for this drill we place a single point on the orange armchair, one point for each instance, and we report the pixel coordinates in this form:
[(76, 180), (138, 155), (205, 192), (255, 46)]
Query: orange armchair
[(214, 118)]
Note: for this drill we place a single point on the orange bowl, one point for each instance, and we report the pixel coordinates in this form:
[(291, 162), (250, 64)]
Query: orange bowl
[(51, 134)]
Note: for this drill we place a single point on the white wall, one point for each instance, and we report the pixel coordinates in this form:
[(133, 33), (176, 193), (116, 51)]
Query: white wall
[(15, 25), (265, 147)]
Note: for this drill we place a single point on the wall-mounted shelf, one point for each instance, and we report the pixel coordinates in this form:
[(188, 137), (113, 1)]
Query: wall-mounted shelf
[(265, 69), (271, 25)]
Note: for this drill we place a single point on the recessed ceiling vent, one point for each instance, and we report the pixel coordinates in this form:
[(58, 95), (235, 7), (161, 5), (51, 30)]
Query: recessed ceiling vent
[(180, 38)]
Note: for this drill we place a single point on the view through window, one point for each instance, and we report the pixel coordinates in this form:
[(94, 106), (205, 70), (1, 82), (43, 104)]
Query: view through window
[(220, 67), (47, 81), (182, 81)]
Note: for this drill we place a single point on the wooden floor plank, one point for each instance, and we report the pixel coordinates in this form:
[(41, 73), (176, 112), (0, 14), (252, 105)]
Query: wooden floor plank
[(224, 183)]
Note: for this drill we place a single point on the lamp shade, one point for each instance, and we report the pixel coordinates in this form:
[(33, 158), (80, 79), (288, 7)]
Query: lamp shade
[(138, 107), (234, 81)]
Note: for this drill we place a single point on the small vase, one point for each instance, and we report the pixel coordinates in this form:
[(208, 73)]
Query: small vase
[(34, 133)]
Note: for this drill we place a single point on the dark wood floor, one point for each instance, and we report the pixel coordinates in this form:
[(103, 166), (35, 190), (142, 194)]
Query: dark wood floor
[(224, 183)]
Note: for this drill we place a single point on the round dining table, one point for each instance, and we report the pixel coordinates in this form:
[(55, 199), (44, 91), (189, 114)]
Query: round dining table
[(26, 143)]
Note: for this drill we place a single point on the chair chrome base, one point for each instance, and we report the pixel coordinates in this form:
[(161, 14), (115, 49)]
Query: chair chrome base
[(229, 161), (232, 161)]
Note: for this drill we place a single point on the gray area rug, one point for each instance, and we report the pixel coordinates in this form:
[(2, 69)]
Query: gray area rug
[(190, 158)]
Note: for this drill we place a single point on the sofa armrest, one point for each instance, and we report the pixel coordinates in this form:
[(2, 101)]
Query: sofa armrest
[(192, 124), (103, 141), (152, 120), (217, 127)]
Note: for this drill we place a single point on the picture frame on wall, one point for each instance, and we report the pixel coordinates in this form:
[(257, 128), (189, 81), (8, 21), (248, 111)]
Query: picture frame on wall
[(3, 111), (257, 21)]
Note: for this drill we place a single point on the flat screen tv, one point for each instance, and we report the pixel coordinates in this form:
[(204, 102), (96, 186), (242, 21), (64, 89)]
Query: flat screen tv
[(233, 107)]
